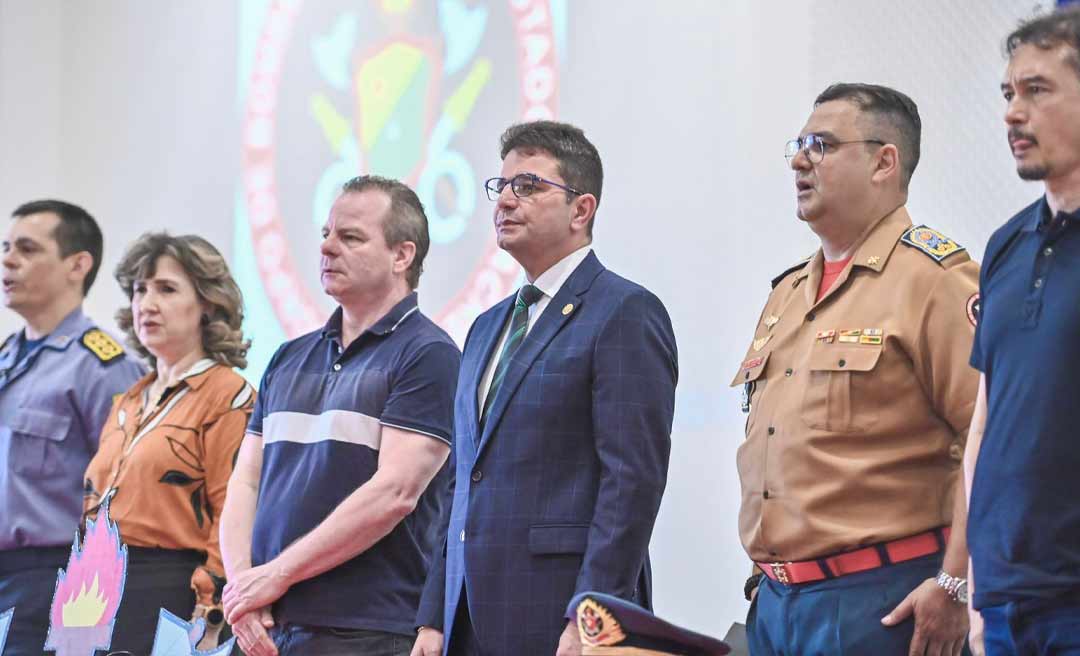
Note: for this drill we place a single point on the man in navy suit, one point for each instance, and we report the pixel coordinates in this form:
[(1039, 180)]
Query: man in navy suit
[(562, 420)]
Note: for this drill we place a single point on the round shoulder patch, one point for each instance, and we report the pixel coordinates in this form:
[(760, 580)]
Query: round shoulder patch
[(973, 309), (103, 346)]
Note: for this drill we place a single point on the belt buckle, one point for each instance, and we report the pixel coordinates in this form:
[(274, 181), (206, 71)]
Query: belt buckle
[(779, 570)]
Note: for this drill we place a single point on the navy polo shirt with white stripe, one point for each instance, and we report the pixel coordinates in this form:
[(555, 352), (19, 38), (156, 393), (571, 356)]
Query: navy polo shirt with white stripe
[(1024, 522), (320, 412)]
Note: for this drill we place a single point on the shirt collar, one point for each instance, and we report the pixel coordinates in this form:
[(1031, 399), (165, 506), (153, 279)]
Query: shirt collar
[(552, 280), (69, 330), (1040, 215), (405, 308), (878, 242)]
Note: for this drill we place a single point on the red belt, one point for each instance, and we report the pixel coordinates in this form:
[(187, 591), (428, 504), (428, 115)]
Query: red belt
[(860, 560)]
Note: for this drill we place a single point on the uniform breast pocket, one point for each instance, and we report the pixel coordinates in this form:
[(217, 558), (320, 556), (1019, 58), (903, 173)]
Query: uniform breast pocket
[(832, 400), (35, 442)]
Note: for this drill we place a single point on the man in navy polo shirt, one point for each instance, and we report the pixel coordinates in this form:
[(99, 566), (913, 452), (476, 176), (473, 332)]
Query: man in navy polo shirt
[(338, 494), (1024, 522)]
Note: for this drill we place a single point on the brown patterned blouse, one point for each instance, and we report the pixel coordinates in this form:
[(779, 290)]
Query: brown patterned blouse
[(166, 469)]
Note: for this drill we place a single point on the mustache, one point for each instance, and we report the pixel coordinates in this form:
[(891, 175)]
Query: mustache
[(1015, 134)]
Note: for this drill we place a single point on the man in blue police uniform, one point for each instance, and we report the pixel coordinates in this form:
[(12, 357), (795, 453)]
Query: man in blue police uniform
[(1024, 520), (58, 376), (562, 418), (338, 497)]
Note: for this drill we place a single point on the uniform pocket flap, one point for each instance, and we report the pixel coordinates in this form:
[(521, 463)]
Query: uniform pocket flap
[(750, 370), (39, 423), (558, 538), (832, 358)]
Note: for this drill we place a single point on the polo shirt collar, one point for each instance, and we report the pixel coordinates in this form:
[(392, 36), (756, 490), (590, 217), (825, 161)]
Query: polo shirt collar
[(405, 308), (1040, 214)]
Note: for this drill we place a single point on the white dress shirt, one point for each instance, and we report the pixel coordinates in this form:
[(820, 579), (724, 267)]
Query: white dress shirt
[(548, 282)]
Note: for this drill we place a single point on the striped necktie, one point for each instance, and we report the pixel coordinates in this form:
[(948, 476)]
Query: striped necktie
[(519, 324)]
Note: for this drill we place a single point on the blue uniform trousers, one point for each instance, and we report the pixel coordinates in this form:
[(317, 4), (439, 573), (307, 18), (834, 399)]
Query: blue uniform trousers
[(1035, 626), (27, 582), (837, 616)]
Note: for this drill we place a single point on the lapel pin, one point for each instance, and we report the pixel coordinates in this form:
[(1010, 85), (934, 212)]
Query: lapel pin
[(771, 320), (872, 260), (567, 309), (760, 343)]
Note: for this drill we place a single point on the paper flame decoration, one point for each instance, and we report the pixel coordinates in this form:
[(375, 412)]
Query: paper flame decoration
[(5, 624), (88, 592), (175, 637)]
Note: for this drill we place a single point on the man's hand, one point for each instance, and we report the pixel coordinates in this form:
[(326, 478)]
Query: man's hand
[(253, 588), (569, 641), (941, 624), (429, 642), (251, 631)]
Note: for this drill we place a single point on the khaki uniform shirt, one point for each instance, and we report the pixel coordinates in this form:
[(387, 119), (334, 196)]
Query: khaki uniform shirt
[(859, 404)]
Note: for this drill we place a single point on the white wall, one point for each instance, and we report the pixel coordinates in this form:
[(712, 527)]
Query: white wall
[(132, 109)]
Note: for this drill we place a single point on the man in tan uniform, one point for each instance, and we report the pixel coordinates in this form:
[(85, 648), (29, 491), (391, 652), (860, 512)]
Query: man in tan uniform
[(859, 397)]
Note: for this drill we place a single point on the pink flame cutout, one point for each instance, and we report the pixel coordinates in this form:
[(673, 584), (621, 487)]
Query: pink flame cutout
[(88, 593)]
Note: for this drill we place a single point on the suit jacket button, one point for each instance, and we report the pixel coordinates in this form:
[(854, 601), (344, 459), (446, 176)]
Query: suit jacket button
[(477, 475)]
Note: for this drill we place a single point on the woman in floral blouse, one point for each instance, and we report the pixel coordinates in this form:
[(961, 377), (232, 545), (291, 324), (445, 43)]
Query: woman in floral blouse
[(170, 442)]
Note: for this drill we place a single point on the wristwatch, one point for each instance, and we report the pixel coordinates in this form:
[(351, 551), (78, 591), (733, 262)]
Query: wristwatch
[(954, 586)]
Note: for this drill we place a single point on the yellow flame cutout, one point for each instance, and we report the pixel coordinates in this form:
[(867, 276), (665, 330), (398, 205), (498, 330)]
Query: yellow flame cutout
[(87, 608)]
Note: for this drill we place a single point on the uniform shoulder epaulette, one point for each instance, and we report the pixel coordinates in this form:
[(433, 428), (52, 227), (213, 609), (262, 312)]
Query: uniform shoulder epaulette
[(931, 243), (793, 267), (103, 346)]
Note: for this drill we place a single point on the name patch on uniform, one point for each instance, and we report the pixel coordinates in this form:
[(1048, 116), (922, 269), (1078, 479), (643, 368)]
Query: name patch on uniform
[(752, 362), (931, 242), (104, 347)]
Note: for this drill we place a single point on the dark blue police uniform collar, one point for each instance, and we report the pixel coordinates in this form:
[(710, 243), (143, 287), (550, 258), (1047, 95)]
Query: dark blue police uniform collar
[(405, 308), (1040, 216)]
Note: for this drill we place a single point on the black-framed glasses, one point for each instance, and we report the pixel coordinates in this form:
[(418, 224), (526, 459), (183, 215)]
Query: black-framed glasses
[(815, 146), (523, 185)]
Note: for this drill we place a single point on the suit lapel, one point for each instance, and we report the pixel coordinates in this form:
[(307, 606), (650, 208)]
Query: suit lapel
[(549, 324), (487, 339)]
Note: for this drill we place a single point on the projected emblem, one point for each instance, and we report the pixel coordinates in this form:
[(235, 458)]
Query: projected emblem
[(418, 91)]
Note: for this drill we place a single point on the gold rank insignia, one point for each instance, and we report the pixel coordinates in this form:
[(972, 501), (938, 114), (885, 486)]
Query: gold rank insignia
[(872, 260), (931, 242), (101, 345), (761, 342), (826, 336), (771, 320), (849, 336), (597, 627)]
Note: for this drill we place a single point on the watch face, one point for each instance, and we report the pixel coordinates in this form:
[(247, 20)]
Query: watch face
[(962, 592)]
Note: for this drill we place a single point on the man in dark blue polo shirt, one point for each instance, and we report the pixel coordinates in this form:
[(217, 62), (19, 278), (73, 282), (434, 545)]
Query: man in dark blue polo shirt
[(1024, 521), (337, 498)]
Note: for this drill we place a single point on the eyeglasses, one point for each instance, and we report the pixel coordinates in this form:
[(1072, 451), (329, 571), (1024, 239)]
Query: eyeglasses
[(523, 185), (815, 146)]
